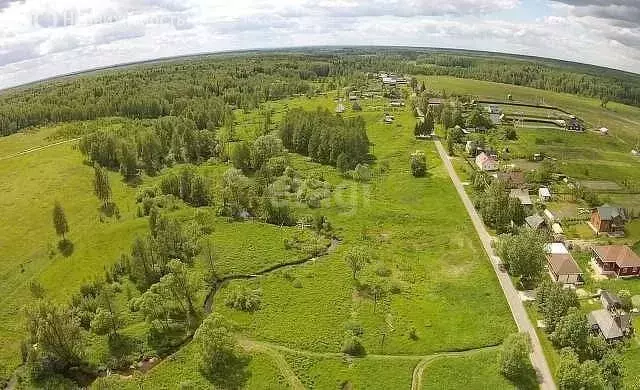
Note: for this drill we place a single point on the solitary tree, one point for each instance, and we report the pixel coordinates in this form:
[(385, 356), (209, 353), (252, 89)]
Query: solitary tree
[(101, 185), (418, 164), (356, 259), (60, 220), (572, 331)]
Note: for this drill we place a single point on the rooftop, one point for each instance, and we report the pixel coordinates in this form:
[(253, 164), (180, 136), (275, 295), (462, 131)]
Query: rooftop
[(563, 264), (622, 255), (606, 324), (608, 212)]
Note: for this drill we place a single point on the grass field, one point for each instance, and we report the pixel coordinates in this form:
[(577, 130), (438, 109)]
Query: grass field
[(580, 155), (415, 229), (477, 371)]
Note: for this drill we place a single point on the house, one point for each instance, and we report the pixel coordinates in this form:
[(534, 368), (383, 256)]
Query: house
[(486, 162), (608, 219), (544, 194), (396, 103), (611, 322), (522, 195), (340, 108), (604, 131), (513, 179), (536, 222), (562, 267), (617, 260)]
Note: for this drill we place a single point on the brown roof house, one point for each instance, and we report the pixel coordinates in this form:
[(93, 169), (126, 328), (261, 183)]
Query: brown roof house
[(610, 322), (616, 260), (486, 162), (608, 219), (562, 267)]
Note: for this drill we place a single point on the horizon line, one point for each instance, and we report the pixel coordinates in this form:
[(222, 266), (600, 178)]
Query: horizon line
[(123, 65)]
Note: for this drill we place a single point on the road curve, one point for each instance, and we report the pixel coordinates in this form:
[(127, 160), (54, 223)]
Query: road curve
[(515, 303)]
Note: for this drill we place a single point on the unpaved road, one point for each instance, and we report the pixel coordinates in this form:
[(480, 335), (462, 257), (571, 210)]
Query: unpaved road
[(517, 308), (36, 149)]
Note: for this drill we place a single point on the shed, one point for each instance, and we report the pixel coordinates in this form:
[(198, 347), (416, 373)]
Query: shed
[(544, 193), (535, 222), (522, 195), (603, 322)]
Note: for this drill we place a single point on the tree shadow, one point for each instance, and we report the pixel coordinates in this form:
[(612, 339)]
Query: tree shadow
[(234, 376), (65, 247), (133, 182), (526, 380), (110, 209), (123, 350)]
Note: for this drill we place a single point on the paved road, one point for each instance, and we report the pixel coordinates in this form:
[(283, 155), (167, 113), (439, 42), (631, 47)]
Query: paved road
[(515, 303)]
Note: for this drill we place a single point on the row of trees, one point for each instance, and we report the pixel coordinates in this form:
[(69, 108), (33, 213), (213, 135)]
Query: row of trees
[(325, 137)]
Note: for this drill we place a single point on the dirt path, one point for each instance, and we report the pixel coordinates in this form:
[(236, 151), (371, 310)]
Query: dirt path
[(37, 149), (515, 303), (285, 369), (275, 350)]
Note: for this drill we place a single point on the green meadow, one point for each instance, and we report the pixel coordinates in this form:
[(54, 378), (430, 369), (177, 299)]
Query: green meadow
[(419, 236)]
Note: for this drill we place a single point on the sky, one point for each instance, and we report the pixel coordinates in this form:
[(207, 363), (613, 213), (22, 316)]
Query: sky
[(44, 38)]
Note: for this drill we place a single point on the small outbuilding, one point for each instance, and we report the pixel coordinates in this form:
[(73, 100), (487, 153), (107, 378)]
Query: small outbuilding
[(536, 222), (544, 194), (522, 196), (562, 266)]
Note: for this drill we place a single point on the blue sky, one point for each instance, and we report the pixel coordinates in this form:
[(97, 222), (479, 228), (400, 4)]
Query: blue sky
[(41, 38)]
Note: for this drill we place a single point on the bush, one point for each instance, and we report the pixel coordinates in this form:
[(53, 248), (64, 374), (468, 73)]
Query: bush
[(418, 164), (383, 270), (244, 299), (352, 345)]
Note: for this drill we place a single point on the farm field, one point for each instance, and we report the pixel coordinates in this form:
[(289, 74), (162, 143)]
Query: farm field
[(583, 156), (415, 229)]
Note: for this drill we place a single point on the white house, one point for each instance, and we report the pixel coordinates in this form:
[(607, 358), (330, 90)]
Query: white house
[(486, 162)]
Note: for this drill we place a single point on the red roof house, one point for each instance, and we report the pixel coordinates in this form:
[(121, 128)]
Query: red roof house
[(618, 260)]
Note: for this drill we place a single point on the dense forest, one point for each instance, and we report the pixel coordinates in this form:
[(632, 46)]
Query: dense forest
[(204, 89)]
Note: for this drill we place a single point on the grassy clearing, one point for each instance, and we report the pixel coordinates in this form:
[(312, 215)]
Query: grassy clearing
[(580, 155), (476, 371), (365, 373), (181, 370)]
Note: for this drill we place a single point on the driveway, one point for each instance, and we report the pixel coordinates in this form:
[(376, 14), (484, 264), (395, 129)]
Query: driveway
[(513, 298)]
